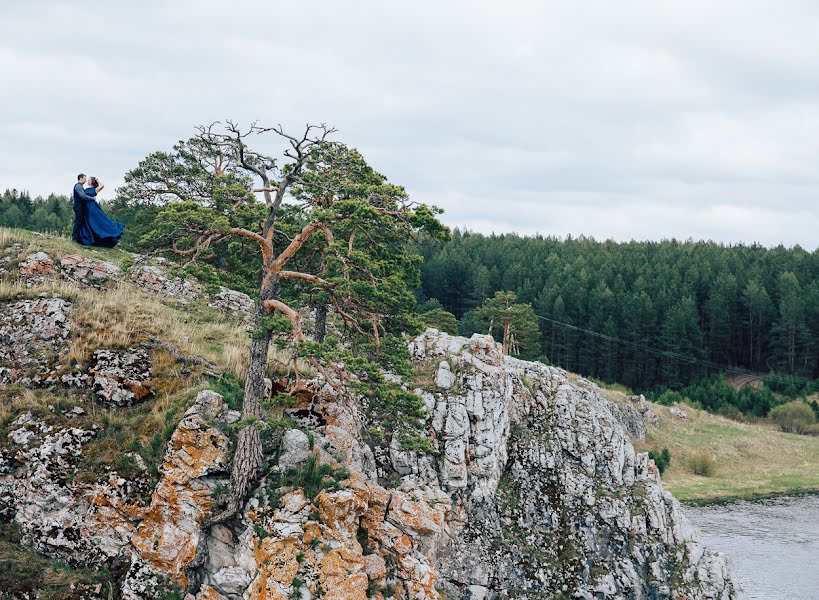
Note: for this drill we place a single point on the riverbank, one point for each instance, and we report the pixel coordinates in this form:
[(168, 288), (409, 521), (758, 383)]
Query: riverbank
[(751, 460)]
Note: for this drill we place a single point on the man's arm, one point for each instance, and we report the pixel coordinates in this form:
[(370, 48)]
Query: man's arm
[(81, 193)]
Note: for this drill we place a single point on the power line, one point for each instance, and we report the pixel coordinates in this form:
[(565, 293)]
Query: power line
[(667, 353)]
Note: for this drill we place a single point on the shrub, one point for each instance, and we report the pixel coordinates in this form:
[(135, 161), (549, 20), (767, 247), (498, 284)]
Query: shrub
[(702, 464), (730, 411), (669, 397), (440, 319), (793, 417), (756, 402), (789, 385), (661, 459), (711, 393), (312, 477)]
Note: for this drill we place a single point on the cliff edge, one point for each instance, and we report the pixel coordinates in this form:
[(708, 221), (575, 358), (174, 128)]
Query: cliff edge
[(531, 489)]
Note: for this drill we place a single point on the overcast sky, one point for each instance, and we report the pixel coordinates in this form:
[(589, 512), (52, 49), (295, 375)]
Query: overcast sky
[(621, 120)]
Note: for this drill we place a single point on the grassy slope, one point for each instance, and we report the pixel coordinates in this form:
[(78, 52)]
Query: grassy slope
[(57, 246), (119, 317), (751, 459)]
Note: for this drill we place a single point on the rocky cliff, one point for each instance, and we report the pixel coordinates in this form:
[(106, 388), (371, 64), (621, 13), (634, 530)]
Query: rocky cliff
[(532, 489)]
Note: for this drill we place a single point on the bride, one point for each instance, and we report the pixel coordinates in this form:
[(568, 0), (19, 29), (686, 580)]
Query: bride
[(98, 229)]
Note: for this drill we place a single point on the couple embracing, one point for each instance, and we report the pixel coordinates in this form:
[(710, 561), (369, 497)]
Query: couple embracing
[(92, 227)]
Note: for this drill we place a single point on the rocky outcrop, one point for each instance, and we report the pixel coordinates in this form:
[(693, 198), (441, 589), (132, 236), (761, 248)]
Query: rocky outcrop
[(532, 490), (39, 267), (234, 303), (554, 498), (104, 523), (36, 264), (635, 415), (88, 271), (194, 466), (154, 279), (33, 335), (80, 524), (120, 377)]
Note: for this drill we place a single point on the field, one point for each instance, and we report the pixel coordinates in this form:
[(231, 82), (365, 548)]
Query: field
[(750, 459)]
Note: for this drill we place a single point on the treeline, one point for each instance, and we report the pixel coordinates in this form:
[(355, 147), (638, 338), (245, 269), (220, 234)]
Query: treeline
[(646, 314), (650, 315), (53, 214)]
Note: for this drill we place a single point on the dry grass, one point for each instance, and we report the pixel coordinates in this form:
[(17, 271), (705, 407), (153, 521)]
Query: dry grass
[(423, 375), (749, 458), (57, 245), (116, 317), (22, 570), (17, 400), (122, 315), (125, 316)]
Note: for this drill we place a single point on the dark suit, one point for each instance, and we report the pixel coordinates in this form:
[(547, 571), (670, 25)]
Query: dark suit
[(80, 209)]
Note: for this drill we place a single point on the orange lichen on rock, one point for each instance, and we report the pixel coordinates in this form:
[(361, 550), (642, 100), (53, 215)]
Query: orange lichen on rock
[(168, 536), (206, 593), (277, 567)]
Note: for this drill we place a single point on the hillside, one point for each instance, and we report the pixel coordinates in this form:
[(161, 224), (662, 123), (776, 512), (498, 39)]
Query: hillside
[(642, 313), (750, 459), (118, 388)]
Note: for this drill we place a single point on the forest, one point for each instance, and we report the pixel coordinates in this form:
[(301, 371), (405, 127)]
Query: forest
[(645, 314), (650, 315)]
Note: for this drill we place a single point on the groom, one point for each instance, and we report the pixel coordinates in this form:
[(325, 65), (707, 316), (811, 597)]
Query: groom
[(80, 209)]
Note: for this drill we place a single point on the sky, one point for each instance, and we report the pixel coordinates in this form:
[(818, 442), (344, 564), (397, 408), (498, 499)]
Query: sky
[(617, 120)]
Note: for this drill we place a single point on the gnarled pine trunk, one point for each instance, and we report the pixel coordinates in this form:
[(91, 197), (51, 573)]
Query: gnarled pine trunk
[(321, 323), (247, 458)]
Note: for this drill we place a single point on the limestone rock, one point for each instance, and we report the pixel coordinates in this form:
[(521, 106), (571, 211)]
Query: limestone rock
[(650, 416), (81, 525), (38, 263), (635, 415), (679, 413), (120, 377), (295, 448), (167, 538), (545, 470), (444, 378), (232, 303), (88, 271), (33, 335), (533, 490), (630, 418), (154, 279)]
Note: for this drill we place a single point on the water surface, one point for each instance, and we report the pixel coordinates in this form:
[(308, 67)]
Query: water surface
[(773, 544)]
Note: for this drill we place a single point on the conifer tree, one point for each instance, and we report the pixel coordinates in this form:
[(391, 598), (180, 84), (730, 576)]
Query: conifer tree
[(338, 206)]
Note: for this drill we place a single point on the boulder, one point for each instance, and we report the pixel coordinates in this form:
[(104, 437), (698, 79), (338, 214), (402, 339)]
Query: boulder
[(154, 279), (88, 271), (120, 377)]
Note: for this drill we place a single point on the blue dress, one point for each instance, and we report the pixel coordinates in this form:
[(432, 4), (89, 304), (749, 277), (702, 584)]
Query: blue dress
[(97, 229)]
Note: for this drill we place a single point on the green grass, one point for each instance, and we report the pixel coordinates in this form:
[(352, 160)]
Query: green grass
[(23, 571), (750, 459), (56, 246)]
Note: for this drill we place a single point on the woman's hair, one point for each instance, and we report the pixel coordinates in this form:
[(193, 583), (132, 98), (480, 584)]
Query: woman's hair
[(94, 183)]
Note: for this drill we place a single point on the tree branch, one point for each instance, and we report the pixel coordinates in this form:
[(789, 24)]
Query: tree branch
[(306, 232), (308, 277), (295, 320)]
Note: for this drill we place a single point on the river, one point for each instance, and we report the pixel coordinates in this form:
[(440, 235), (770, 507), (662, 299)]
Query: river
[(773, 544)]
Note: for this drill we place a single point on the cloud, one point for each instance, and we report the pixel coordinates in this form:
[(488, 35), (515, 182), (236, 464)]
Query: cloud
[(619, 120)]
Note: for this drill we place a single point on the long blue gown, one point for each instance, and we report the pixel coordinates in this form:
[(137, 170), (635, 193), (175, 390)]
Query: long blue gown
[(97, 229)]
